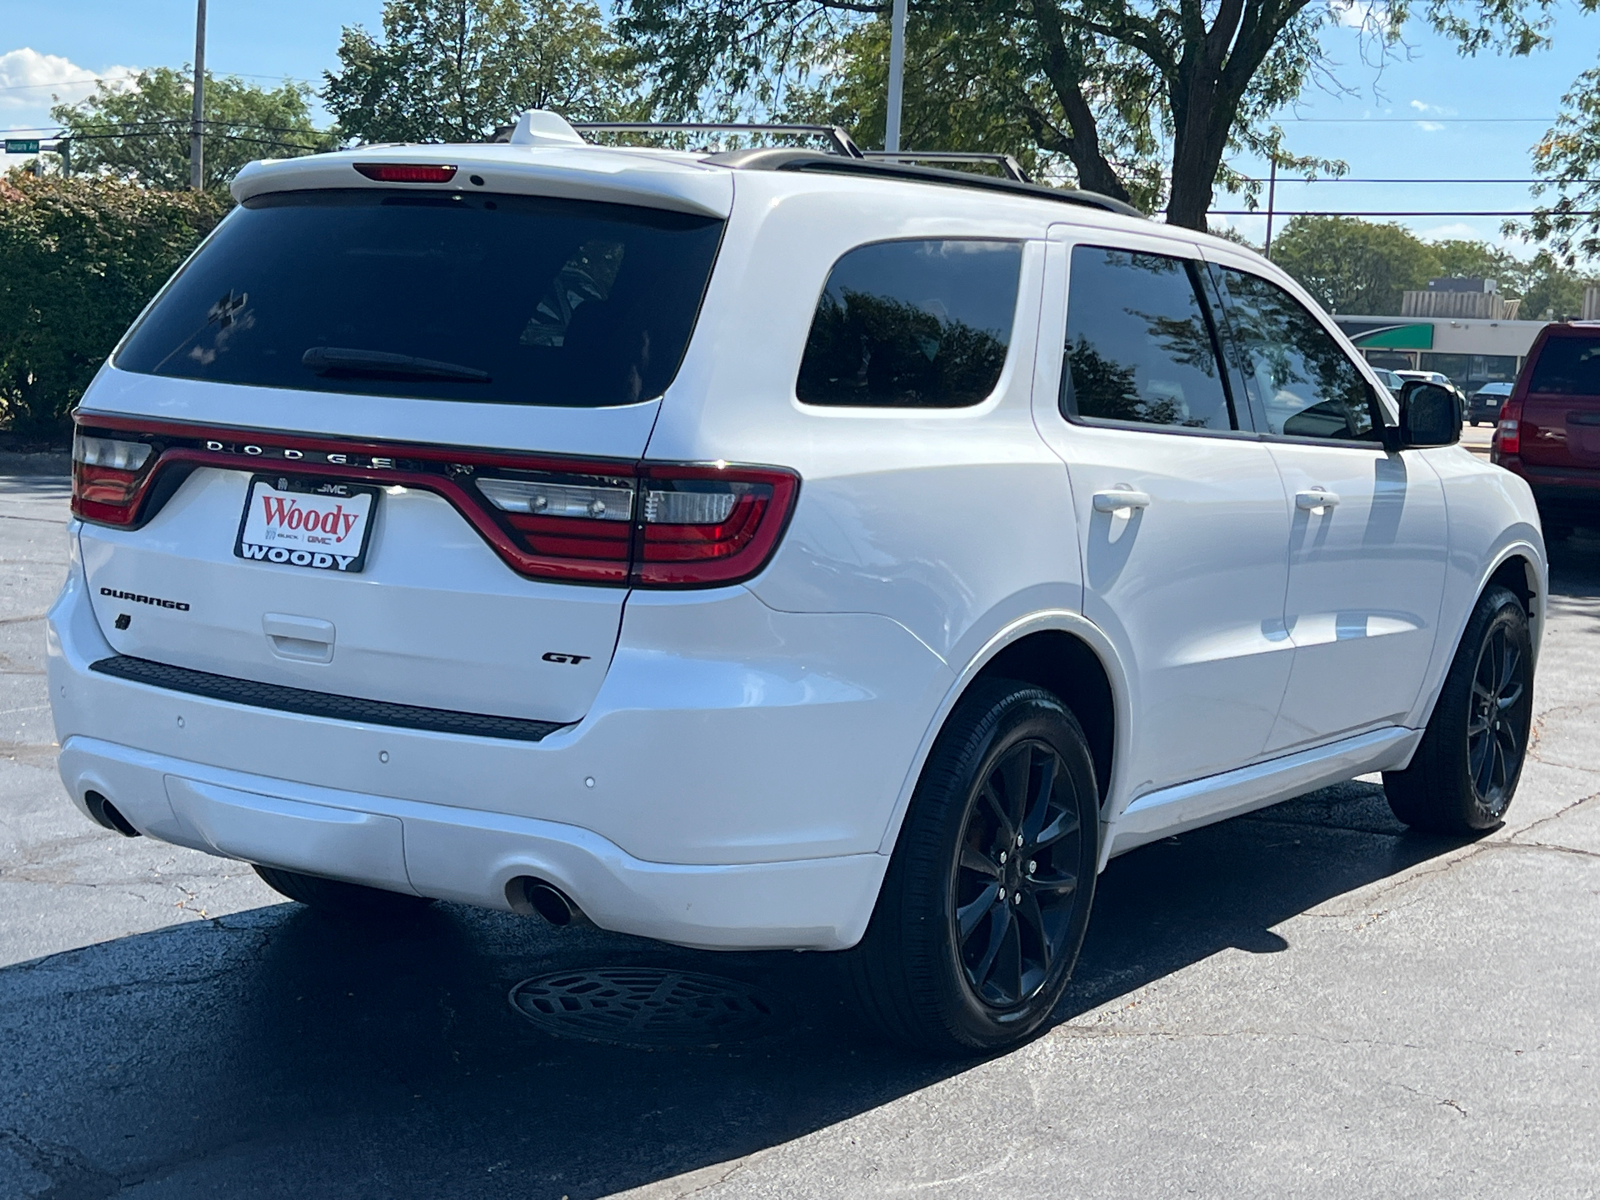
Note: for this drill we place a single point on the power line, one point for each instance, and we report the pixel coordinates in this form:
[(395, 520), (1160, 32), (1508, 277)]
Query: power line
[(1420, 118), (54, 83)]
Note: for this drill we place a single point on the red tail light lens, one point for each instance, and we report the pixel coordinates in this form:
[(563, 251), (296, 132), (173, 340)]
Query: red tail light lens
[(1508, 433), (109, 476), (708, 525), (406, 172), (624, 524)]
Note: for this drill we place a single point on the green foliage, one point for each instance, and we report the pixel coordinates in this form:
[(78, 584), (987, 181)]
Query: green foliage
[(141, 132), (1568, 158), (1355, 266), (1144, 98), (454, 70), (79, 259)]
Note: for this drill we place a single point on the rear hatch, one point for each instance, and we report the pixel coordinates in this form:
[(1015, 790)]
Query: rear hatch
[(1561, 406), (383, 443)]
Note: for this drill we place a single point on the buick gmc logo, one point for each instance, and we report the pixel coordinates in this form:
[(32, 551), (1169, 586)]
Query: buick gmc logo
[(317, 457)]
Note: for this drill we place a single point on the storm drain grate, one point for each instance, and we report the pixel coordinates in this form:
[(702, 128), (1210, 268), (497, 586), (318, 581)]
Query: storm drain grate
[(645, 1006)]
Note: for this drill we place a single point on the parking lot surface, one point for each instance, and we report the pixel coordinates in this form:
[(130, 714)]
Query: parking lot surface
[(1309, 1001)]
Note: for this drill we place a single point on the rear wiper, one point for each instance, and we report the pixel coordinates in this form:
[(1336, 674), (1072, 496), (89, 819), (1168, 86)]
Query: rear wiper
[(377, 364)]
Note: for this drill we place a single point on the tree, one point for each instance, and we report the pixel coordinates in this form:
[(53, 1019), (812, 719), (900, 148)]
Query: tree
[(79, 258), (454, 70), (1203, 77), (1355, 266), (142, 132), (1568, 159)]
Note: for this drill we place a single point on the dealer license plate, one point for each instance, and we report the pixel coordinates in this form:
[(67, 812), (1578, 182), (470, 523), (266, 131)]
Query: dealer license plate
[(317, 523)]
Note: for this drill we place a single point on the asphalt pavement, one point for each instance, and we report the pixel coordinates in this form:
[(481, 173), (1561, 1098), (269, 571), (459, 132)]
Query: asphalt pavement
[(1309, 1001)]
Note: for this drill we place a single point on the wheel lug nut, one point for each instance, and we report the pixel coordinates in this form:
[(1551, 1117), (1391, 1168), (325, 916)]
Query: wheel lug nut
[(1019, 839), (1002, 858), (1016, 897), (1002, 893), (1032, 866)]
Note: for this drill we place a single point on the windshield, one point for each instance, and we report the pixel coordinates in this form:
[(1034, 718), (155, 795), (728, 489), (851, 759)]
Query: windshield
[(437, 295)]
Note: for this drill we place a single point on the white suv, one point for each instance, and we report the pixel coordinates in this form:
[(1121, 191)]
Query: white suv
[(763, 549)]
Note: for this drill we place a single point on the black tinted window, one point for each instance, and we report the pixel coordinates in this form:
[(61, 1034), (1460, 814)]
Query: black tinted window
[(1139, 346), (1567, 366), (1304, 384), (921, 324), (515, 299)]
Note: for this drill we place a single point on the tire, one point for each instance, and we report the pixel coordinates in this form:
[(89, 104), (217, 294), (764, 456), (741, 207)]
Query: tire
[(974, 938), (1464, 774), (336, 896)]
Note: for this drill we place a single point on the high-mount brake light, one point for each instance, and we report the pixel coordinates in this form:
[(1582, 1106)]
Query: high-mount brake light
[(1508, 433), (595, 521), (407, 172), (108, 477)]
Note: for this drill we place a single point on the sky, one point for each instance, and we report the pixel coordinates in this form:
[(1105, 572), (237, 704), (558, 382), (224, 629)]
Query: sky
[(1427, 113)]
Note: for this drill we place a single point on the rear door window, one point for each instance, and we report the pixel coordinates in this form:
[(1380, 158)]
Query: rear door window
[(1140, 345), (912, 324), (438, 295), (1567, 366)]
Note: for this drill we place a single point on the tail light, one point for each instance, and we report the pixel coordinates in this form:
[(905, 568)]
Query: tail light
[(639, 524), (1508, 433), (661, 526), (108, 477)]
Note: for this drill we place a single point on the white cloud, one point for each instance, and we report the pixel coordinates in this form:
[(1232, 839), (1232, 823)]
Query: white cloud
[(1372, 16), (32, 81), (1437, 110)]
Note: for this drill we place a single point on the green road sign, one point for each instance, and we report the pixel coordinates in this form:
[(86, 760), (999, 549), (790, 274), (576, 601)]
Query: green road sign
[(22, 145)]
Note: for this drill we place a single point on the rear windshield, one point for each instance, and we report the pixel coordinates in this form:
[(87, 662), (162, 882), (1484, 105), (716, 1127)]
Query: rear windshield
[(441, 296), (1567, 366)]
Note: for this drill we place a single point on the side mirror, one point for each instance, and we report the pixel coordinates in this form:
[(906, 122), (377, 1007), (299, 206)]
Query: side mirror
[(1429, 416)]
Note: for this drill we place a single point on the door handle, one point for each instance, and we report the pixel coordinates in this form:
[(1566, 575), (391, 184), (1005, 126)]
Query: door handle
[(1112, 499), (305, 638), (1313, 499)]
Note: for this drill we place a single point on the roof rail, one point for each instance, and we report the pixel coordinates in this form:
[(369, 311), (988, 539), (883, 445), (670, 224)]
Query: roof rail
[(843, 144), (783, 159), (1007, 163)]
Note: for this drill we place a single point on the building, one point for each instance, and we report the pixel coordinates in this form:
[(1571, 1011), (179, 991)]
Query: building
[(1471, 351), (1459, 297)]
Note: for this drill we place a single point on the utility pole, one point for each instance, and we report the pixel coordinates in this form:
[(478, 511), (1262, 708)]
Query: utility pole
[(1272, 195), (897, 70), (197, 136)]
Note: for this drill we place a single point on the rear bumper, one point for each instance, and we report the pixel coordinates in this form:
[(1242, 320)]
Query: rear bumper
[(1572, 494), (474, 857), (730, 787)]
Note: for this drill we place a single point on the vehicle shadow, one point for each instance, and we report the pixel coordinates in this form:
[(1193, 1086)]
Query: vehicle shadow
[(278, 1052)]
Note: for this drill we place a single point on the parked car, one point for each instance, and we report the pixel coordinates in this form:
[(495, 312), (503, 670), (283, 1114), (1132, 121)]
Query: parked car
[(1549, 428), (1389, 380), (1485, 403), (1438, 379), (766, 549)]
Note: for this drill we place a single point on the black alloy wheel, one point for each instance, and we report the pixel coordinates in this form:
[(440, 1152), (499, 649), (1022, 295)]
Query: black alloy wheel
[(1017, 875), (1465, 770), (987, 896), (1497, 730)]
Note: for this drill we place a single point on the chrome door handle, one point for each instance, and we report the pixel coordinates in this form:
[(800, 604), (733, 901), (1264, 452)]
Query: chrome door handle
[(1316, 498), (1112, 499)]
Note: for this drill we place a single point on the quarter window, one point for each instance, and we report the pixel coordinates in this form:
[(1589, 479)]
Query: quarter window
[(1301, 380), (912, 324), (1140, 347)]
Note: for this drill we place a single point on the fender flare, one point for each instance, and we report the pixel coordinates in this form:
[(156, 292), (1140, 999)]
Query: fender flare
[(1042, 621), (1445, 651)]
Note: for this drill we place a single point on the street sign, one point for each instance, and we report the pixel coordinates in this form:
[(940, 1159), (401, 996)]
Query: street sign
[(22, 145)]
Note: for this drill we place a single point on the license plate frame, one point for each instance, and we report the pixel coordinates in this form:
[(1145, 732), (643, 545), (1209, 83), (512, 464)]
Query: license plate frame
[(314, 549)]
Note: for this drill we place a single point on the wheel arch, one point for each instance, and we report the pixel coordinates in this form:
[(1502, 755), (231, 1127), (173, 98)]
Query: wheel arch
[(1518, 568), (1067, 655)]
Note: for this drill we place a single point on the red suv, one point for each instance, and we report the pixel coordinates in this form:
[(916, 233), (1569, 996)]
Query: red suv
[(1549, 431)]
